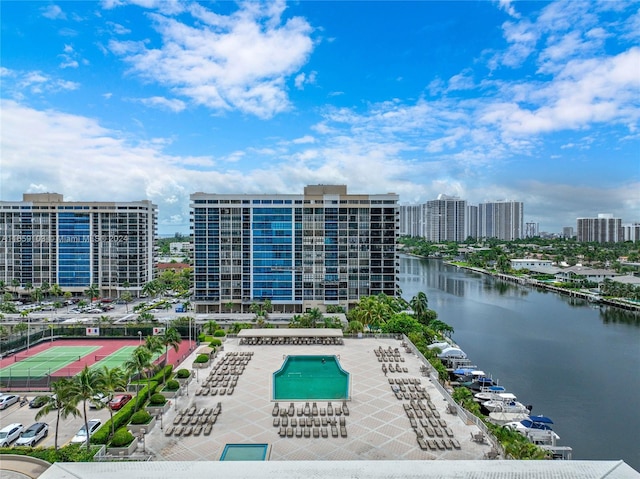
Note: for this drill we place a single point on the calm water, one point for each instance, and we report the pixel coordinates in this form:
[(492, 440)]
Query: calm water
[(574, 362)]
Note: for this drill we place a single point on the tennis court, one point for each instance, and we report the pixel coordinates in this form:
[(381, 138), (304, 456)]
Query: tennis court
[(44, 363), (116, 358)]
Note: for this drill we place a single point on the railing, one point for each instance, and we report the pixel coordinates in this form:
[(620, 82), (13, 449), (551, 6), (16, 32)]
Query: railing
[(435, 380)]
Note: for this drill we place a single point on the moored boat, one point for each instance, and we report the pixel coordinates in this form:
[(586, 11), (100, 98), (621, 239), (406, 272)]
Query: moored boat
[(505, 418), (505, 402), (489, 393), (537, 429)]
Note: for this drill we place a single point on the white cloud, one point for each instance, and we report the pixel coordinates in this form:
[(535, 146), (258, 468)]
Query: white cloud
[(583, 92), (69, 64), (239, 61), (118, 29), (171, 104), (304, 140), (507, 6), (302, 78), (53, 12)]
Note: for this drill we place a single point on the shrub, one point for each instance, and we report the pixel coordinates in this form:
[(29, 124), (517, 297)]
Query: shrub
[(183, 373), (157, 400), (121, 418), (172, 385), (122, 438), (202, 358), (165, 372), (141, 417), (215, 342), (218, 333), (201, 337)]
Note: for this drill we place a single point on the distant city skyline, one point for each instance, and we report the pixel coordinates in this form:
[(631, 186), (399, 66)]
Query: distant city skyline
[(117, 100)]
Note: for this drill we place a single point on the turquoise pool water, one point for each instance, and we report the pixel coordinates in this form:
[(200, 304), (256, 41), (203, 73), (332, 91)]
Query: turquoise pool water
[(244, 452), (310, 378)]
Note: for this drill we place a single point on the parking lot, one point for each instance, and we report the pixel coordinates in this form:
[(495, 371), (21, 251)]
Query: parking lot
[(67, 429)]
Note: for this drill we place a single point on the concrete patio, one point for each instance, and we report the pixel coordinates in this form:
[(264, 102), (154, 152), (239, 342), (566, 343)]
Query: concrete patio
[(378, 427)]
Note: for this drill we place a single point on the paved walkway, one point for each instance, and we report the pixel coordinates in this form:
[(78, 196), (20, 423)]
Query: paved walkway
[(378, 427)]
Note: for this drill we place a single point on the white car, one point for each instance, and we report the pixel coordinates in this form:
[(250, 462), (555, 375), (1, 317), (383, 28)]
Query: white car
[(10, 433), (7, 400), (33, 434), (81, 435), (98, 401)]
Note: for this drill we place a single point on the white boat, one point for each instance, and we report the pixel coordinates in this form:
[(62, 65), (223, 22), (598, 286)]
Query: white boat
[(452, 353), (440, 346), (505, 418), (537, 429), (505, 402), (489, 393)]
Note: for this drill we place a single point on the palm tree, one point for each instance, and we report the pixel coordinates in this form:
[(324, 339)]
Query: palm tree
[(153, 344), (67, 295), (60, 401), (45, 287), (92, 291), (84, 387), (210, 326), (170, 338), (145, 317), (15, 283), (315, 316), (150, 289), (37, 295), (111, 381), (28, 287), (420, 304), (127, 298), (56, 290), (138, 363)]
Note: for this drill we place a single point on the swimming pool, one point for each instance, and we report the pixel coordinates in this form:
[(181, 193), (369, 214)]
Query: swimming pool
[(245, 452), (310, 378)]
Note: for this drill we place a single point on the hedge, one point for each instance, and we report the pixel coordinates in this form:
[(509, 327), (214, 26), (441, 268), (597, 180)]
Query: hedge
[(157, 400), (218, 333), (141, 417), (122, 417), (202, 358), (69, 453), (172, 385), (122, 438), (183, 373), (215, 342)]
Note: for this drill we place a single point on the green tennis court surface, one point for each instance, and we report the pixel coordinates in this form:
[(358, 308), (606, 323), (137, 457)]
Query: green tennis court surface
[(47, 361), (116, 359)]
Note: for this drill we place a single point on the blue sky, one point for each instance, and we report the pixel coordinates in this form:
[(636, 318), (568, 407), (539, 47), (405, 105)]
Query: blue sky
[(536, 102)]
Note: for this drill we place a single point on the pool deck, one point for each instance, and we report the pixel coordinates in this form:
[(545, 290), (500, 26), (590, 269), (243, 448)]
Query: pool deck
[(378, 427)]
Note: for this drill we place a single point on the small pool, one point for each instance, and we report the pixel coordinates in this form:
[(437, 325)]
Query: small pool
[(310, 378), (245, 452)]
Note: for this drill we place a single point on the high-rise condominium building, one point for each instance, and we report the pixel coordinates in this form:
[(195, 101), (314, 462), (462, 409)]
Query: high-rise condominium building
[(445, 219), (631, 232), (412, 220), (603, 229), (501, 219), (323, 247), (46, 240)]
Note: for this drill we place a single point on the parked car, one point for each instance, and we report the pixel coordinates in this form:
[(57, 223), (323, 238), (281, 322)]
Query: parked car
[(10, 433), (98, 401), (33, 434), (8, 400), (120, 400), (82, 436), (38, 402)]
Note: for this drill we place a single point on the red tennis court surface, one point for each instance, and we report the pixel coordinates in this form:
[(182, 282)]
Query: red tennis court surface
[(105, 348)]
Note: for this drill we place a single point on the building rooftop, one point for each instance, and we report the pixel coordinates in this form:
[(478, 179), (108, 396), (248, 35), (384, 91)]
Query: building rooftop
[(378, 427)]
